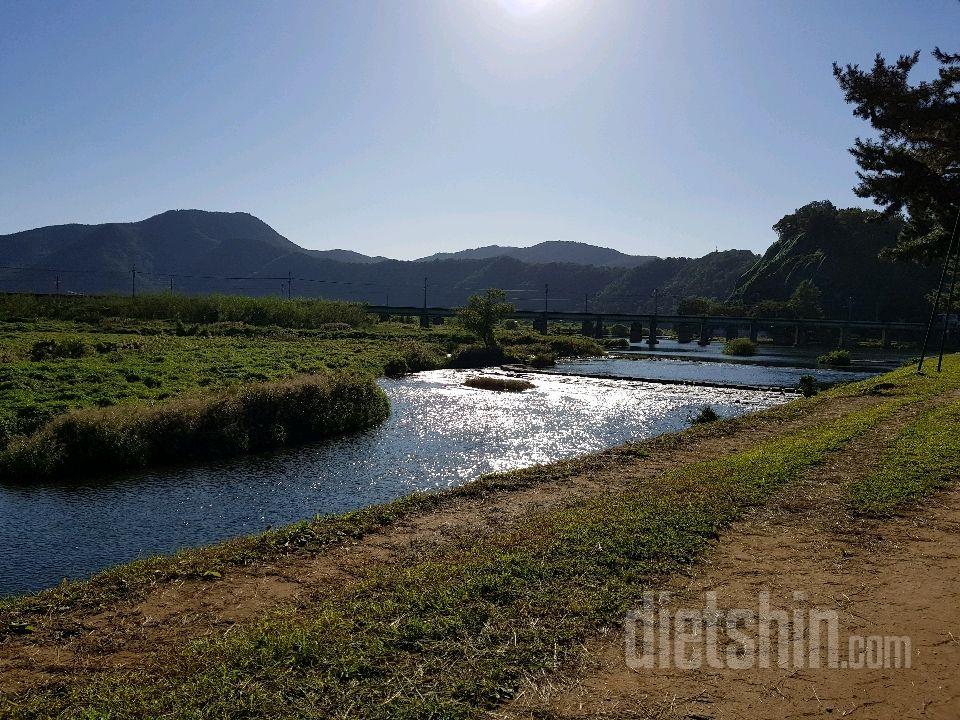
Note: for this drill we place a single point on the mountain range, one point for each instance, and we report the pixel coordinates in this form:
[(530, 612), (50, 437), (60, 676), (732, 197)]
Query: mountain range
[(552, 251), (197, 251), (200, 251)]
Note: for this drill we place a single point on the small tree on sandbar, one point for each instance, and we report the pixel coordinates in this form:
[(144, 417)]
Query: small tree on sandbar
[(482, 313)]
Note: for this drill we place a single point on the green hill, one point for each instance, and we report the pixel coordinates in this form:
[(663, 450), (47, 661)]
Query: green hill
[(840, 251)]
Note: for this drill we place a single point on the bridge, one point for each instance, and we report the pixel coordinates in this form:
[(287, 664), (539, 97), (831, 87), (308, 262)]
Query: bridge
[(794, 331)]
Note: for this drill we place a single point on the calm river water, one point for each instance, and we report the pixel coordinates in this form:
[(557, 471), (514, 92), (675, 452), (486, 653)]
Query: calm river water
[(439, 434)]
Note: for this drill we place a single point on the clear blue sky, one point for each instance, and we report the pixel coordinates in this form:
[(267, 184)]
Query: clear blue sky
[(405, 128)]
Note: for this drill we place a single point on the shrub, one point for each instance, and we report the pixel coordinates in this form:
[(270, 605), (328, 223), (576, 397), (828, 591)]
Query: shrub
[(619, 330), (422, 357), (396, 367), (839, 358), (509, 324), (574, 346), (740, 346), (543, 360), (808, 386), (616, 343), (51, 349), (502, 384), (706, 415), (477, 356), (239, 420)]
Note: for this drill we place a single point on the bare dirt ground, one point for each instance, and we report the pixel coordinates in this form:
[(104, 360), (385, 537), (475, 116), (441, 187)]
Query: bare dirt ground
[(890, 578), (140, 633)]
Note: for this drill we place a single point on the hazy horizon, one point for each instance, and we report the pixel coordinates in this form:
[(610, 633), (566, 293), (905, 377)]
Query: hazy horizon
[(408, 129)]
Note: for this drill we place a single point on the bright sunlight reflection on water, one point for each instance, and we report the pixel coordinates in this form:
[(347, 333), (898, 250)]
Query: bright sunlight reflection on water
[(440, 434)]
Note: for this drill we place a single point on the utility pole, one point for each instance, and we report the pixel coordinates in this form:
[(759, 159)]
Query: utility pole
[(850, 308), (133, 281), (387, 303), (656, 301), (586, 303), (289, 284), (171, 284), (425, 293), (57, 281), (546, 297)]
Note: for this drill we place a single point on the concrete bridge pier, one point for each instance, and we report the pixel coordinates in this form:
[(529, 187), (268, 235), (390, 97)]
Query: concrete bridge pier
[(842, 339), (540, 324), (424, 320), (754, 332), (684, 333), (586, 328), (652, 340), (705, 332), (732, 332), (799, 335), (598, 327), (885, 337), (636, 332)]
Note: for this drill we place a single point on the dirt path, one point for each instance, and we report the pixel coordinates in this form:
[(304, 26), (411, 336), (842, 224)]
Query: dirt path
[(891, 578), (138, 634)]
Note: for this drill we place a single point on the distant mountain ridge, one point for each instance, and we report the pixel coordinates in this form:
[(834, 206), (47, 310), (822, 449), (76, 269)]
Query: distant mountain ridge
[(197, 251), (551, 251)]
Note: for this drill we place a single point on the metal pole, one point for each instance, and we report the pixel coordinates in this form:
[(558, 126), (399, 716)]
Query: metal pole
[(948, 310), (546, 296), (171, 284), (289, 284), (58, 284), (586, 303), (936, 301), (133, 281), (425, 293)]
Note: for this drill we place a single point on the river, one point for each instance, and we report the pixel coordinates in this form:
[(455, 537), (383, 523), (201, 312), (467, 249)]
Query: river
[(440, 434)]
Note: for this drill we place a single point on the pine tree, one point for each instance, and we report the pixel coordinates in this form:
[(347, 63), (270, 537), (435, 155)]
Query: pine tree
[(913, 165)]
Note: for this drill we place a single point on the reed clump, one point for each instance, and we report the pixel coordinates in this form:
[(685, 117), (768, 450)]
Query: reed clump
[(235, 421), (740, 347), (500, 384), (837, 358)]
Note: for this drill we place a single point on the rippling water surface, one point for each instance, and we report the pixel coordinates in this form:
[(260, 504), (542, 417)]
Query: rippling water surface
[(718, 372), (439, 434)]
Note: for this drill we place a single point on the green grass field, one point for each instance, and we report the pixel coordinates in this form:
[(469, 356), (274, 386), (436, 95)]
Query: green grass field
[(70, 354)]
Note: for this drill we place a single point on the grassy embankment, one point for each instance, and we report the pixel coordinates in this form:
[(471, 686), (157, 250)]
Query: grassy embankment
[(454, 633), (120, 374), (923, 457)]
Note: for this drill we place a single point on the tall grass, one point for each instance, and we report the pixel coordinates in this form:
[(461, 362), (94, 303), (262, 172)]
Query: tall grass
[(297, 313), (236, 421)]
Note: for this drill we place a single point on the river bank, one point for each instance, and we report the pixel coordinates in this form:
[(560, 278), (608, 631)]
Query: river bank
[(453, 604)]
